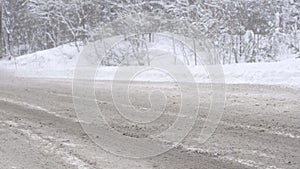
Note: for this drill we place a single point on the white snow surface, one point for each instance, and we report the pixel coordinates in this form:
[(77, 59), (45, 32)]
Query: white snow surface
[(60, 62)]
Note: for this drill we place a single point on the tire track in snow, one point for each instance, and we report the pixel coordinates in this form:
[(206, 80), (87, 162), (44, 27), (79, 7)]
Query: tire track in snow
[(49, 146), (246, 162), (222, 157), (214, 154), (38, 108), (246, 127)]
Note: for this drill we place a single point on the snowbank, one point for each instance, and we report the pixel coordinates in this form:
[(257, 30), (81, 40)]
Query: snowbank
[(60, 62), (286, 73)]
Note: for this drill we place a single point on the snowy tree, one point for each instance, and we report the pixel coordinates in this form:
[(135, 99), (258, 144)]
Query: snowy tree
[(240, 29), (1, 52)]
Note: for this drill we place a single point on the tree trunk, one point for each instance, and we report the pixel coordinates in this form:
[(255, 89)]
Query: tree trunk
[(174, 50), (240, 46), (236, 50), (224, 56), (1, 55), (195, 53)]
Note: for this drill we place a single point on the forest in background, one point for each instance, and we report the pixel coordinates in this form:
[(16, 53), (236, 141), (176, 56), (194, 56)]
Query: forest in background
[(242, 30)]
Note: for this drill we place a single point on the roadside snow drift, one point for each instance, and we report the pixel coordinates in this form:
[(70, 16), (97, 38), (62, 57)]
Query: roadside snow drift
[(60, 62)]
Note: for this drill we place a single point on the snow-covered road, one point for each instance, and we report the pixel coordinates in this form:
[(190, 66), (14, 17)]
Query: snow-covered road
[(39, 128)]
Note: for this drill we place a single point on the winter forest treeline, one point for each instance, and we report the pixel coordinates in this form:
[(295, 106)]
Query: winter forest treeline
[(242, 30)]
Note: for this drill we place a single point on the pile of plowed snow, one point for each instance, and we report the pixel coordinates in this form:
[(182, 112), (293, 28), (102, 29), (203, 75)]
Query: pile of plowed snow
[(60, 62)]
